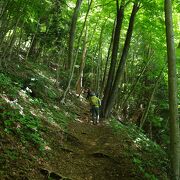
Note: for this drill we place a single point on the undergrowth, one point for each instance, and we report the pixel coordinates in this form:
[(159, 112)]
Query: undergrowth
[(28, 97), (141, 143)]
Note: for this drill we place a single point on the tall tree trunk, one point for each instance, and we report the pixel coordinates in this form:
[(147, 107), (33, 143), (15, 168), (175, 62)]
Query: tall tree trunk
[(33, 42), (60, 54), (20, 39), (144, 116), (98, 71), (93, 32), (74, 61), (82, 30), (120, 70), (107, 60), (72, 33), (173, 102), (99, 60), (3, 9), (119, 20), (80, 77), (134, 86), (4, 29), (9, 48), (93, 83)]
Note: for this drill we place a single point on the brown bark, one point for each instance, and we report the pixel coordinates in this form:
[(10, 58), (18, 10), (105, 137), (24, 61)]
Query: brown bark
[(120, 70), (82, 30), (107, 61), (72, 33), (119, 20), (99, 60), (80, 77)]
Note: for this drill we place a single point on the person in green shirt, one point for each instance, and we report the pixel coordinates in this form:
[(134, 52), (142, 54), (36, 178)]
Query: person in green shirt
[(95, 103)]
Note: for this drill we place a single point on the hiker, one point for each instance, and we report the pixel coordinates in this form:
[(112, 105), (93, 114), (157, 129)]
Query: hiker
[(95, 103)]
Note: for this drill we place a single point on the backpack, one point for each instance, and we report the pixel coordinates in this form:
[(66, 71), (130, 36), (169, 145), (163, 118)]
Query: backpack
[(95, 101)]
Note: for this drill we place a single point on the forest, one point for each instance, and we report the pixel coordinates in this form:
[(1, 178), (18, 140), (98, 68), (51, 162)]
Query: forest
[(127, 52)]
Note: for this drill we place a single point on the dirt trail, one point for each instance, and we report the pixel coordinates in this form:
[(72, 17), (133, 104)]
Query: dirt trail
[(81, 152), (89, 152)]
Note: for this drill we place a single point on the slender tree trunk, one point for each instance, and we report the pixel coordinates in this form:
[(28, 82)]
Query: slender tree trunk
[(80, 77), (72, 33), (9, 48), (60, 54), (33, 48), (98, 72), (173, 102), (19, 43), (134, 86), (14, 38), (20, 39), (4, 29), (70, 55), (82, 30), (119, 20), (94, 30), (3, 9), (121, 95), (99, 60), (32, 41), (120, 70), (82, 64), (144, 116), (93, 83), (107, 60)]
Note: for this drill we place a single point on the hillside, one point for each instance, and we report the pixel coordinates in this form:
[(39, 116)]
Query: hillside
[(40, 138)]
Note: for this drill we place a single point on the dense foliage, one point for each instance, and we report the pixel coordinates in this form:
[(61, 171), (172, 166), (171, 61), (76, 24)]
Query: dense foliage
[(40, 31)]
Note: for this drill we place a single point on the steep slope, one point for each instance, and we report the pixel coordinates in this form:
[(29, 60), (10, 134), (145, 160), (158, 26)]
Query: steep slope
[(42, 139)]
